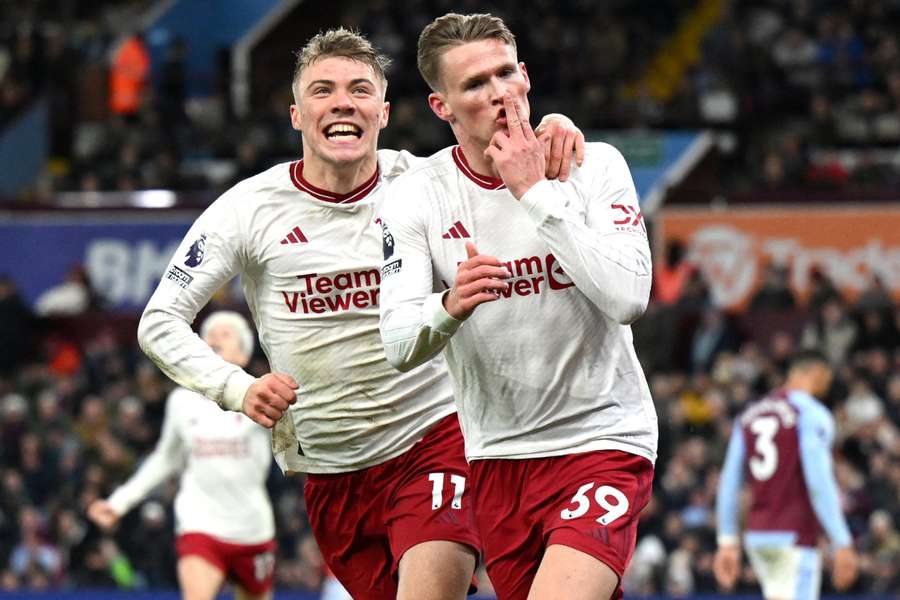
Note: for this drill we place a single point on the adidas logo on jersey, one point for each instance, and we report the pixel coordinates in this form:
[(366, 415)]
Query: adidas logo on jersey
[(295, 237), (458, 231)]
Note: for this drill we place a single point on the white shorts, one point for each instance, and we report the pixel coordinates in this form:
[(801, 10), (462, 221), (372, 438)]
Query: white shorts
[(786, 572)]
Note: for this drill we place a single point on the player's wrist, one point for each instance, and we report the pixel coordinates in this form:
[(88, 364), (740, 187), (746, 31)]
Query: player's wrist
[(519, 190), (235, 391), (436, 315), (727, 541), (450, 302)]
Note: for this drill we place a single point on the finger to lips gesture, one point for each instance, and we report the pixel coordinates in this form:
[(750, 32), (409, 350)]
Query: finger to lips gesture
[(269, 397), (479, 279), (519, 156)]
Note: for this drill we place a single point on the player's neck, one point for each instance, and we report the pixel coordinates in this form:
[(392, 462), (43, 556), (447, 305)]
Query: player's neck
[(474, 153), (338, 178)]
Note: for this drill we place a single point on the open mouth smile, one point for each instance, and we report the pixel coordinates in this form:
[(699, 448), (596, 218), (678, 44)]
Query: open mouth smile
[(342, 131)]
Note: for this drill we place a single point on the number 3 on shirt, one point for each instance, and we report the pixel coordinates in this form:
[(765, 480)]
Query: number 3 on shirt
[(763, 466), (437, 490), (602, 496)]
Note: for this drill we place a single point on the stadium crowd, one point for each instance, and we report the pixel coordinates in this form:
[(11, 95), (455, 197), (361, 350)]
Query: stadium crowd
[(825, 74), (80, 406)]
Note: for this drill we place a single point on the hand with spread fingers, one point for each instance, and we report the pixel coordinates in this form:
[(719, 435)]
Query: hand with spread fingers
[(269, 398), (519, 156), (562, 141), (479, 279)]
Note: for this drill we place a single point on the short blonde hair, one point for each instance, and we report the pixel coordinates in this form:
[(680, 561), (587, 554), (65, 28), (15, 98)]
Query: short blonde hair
[(343, 43), (237, 323), (454, 30)]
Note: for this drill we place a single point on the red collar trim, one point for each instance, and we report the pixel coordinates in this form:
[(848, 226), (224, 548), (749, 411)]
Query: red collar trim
[(488, 183), (296, 170)]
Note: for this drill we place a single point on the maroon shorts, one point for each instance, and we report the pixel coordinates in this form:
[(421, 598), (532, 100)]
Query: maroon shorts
[(588, 501), (364, 521), (252, 566)]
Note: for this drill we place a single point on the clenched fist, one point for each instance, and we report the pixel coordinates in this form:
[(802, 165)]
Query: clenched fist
[(269, 397)]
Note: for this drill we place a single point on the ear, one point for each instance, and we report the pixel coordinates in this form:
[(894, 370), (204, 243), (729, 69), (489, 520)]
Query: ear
[(385, 114), (524, 72), (440, 107), (295, 117)]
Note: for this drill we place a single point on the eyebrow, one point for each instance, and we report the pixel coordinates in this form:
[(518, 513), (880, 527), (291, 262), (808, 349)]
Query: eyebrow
[(487, 73), (331, 83)]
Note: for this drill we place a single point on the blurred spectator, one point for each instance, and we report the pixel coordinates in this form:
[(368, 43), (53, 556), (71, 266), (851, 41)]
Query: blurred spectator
[(14, 324), (173, 84), (875, 297), (73, 296), (129, 74), (821, 289), (775, 293), (714, 334), (881, 549), (34, 560), (671, 277), (833, 332)]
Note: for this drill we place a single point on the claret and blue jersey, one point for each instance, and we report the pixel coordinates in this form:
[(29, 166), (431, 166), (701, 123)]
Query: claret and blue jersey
[(782, 445)]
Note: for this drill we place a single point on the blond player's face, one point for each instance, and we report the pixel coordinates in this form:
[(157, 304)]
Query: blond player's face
[(340, 110), (475, 77), (225, 342)]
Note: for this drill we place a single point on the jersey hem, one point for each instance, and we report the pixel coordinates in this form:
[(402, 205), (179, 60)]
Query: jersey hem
[(589, 447), (249, 541), (289, 467)]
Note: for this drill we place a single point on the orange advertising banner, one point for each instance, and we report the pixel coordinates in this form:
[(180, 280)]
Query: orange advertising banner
[(732, 247)]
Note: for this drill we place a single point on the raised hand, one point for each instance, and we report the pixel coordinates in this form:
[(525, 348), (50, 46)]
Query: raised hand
[(518, 157), (102, 514), (479, 279), (562, 140), (269, 397)]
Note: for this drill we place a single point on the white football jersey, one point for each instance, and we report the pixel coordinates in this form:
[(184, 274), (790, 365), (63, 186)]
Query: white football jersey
[(309, 262), (224, 460), (550, 367)]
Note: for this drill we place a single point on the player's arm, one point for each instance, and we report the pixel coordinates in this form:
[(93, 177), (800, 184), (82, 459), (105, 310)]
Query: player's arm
[(190, 280), (727, 562), (595, 231), (414, 324), (730, 480), (816, 431), (166, 458)]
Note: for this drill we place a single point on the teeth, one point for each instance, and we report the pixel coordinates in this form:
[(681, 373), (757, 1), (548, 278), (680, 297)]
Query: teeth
[(342, 128)]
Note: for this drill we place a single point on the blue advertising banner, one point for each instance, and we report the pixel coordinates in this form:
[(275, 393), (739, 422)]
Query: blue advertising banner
[(124, 254)]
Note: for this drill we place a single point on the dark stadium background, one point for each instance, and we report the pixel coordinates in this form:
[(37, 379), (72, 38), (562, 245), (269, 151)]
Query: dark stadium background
[(767, 137)]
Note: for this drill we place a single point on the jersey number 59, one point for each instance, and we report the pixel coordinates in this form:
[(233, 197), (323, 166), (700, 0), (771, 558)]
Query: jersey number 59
[(602, 496)]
